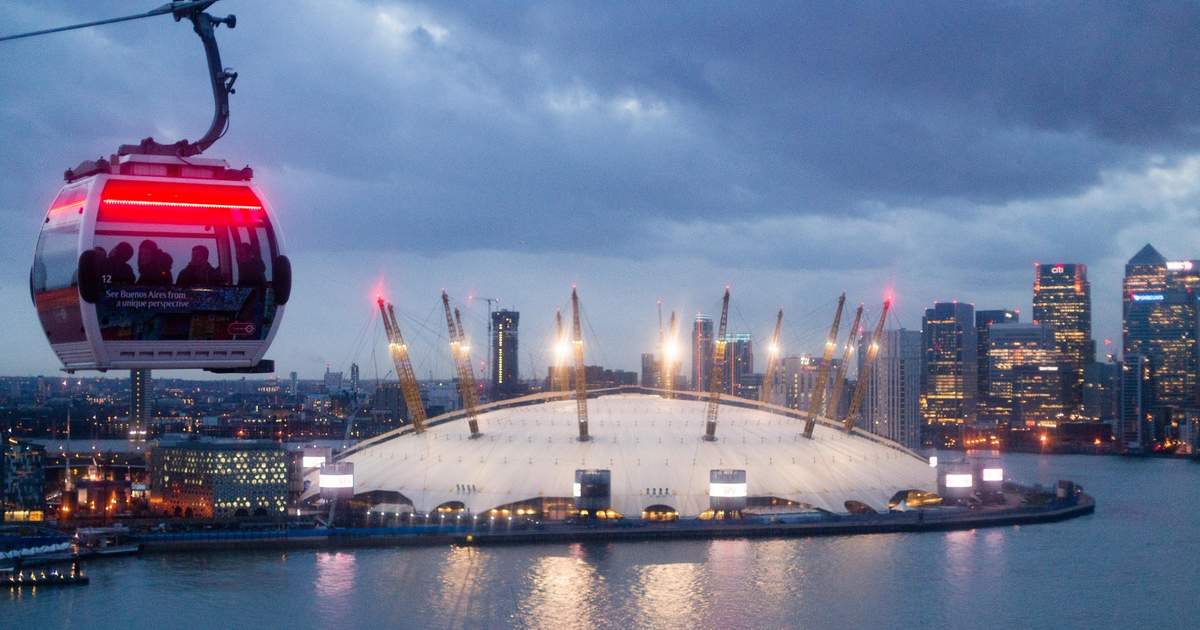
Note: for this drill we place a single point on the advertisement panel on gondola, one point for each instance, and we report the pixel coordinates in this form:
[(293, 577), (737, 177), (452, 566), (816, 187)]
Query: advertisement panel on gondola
[(173, 313)]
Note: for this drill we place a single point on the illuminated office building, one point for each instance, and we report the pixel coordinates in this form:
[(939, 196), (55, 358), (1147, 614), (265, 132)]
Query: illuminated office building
[(702, 352), (505, 372), (796, 380), (1062, 300), (950, 370), (207, 479), (739, 363), (1160, 324), (984, 320), (1028, 375), (139, 403)]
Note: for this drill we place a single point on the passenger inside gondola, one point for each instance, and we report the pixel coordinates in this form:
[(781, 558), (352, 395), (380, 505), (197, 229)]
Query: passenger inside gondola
[(198, 271), (117, 264), (252, 272), (154, 265)]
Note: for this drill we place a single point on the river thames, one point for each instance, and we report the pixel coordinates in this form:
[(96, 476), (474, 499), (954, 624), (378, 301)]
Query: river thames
[(1135, 562)]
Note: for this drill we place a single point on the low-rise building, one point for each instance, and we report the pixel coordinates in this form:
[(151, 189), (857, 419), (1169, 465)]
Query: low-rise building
[(210, 479)]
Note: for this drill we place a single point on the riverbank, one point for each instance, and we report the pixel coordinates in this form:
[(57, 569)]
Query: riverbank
[(925, 520)]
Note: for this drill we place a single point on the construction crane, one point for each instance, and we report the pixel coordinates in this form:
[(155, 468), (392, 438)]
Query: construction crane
[(404, 371), (839, 377), (580, 372), (461, 355), (559, 382), (718, 373), (773, 352), (864, 373), (817, 398), (670, 354)]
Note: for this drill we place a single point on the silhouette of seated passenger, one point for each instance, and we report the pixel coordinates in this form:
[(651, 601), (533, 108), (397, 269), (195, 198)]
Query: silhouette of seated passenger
[(154, 265), (198, 272), (252, 272), (117, 264)]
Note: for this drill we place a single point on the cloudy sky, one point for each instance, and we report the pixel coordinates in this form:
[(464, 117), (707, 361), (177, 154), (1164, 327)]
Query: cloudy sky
[(643, 151)]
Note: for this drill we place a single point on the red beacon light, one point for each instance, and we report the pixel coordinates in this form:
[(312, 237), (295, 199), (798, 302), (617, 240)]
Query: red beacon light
[(157, 258)]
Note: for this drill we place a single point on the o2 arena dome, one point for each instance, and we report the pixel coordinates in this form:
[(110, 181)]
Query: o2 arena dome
[(646, 458)]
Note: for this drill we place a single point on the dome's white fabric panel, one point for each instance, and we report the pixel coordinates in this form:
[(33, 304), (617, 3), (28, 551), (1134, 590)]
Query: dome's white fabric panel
[(654, 449)]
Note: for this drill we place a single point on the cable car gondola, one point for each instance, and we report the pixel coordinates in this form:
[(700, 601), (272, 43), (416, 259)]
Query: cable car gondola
[(156, 258)]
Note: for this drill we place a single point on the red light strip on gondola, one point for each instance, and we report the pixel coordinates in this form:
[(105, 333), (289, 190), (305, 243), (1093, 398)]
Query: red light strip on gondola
[(57, 210), (178, 204)]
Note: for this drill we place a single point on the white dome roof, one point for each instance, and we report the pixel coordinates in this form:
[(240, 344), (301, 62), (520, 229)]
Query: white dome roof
[(653, 448)]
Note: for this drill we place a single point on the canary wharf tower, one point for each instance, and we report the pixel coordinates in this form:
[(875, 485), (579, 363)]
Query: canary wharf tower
[(1062, 301)]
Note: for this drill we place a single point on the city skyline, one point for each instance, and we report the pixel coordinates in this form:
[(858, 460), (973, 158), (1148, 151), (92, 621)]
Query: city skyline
[(599, 314), (525, 164)]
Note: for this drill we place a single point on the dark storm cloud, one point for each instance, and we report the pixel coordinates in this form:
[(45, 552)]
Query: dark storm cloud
[(566, 126)]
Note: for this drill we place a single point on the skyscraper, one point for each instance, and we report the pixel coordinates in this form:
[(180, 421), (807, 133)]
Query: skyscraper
[(1135, 431), (983, 320), (1101, 385), (891, 408), (949, 371), (1160, 324), (739, 362), (139, 403), (505, 375), (1029, 375), (650, 370), (702, 352), (1062, 300), (796, 380)]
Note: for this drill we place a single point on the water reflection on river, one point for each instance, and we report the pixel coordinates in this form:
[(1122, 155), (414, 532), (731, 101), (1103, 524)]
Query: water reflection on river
[(1134, 563)]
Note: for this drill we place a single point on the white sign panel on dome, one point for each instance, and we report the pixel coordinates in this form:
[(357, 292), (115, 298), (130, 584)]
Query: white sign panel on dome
[(959, 480), (727, 490), (337, 481), (312, 461), (993, 474)]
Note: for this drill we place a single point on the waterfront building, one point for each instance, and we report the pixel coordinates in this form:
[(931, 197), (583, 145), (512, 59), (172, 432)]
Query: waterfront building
[(1160, 323), (1062, 300), (983, 320), (1028, 375), (702, 352), (1135, 430), (22, 480), (1101, 388), (196, 478), (739, 362), (505, 355), (891, 407), (949, 369), (139, 403)]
